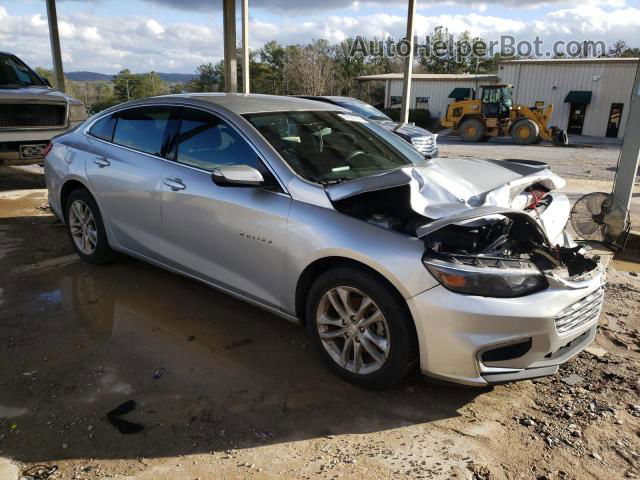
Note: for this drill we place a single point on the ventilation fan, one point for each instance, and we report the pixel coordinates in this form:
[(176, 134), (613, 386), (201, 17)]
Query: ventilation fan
[(601, 217)]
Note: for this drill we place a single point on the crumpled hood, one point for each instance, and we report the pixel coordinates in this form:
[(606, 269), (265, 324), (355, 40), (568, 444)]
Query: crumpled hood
[(411, 131), (36, 94), (447, 186)]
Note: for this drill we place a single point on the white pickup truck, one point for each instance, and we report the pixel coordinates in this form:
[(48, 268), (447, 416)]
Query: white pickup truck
[(31, 112)]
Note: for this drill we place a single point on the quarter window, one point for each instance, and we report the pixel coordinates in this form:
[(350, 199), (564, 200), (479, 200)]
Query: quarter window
[(142, 128), (103, 128), (205, 141)]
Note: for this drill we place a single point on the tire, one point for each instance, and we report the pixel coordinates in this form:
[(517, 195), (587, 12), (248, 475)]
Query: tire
[(485, 139), (98, 251), (472, 130), (525, 132), (394, 329)]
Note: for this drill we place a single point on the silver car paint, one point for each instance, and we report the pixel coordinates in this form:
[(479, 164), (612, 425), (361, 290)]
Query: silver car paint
[(302, 226)]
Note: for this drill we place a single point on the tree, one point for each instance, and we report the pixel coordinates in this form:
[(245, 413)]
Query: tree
[(274, 56), (209, 78), (309, 68), (130, 86), (617, 49)]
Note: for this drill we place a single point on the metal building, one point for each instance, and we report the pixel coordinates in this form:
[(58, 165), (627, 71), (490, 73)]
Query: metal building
[(430, 91), (590, 95)]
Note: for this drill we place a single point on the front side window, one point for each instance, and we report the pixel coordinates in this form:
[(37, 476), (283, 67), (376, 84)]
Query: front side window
[(142, 128), (330, 147), (14, 73), (207, 142)]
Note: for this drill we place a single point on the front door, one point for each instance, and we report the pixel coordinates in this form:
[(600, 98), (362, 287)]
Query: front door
[(576, 118), (231, 236), (615, 115), (127, 180)]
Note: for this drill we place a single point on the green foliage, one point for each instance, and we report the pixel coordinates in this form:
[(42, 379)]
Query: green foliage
[(131, 86), (210, 78)]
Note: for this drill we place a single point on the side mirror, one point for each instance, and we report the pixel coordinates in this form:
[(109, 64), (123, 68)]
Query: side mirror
[(237, 176)]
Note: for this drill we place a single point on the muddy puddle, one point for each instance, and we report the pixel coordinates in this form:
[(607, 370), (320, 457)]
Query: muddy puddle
[(206, 371)]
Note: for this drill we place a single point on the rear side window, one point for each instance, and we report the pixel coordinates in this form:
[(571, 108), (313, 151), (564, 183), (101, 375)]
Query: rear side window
[(103, 128), (142, 128), (205, 141)]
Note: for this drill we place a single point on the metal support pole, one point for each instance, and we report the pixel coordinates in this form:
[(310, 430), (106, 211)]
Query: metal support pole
[(245, 46), (408, 66), (230, 56), (630, 154), (54, 38)]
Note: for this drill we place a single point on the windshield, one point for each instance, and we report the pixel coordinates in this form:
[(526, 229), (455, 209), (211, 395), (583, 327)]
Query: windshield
[(329, 147), (14, 73), (363, 109)]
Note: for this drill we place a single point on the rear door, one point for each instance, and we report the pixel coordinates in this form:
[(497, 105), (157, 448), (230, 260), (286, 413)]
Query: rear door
[(231, 236), (125, 171)]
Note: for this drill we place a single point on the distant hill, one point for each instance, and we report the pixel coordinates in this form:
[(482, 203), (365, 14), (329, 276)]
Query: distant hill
[(101, 77)]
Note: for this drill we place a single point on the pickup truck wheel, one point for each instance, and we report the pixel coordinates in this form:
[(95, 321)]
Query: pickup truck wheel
[(86, 230), (360, 328), (472, 130)]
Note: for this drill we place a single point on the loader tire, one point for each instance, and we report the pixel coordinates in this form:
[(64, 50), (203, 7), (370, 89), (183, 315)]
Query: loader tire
[(525, 132), (472, 130)]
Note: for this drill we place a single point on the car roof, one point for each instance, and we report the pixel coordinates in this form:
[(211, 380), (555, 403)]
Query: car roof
[(241, 103)]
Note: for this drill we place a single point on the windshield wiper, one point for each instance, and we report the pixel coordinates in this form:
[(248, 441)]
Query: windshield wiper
[(333, 181)]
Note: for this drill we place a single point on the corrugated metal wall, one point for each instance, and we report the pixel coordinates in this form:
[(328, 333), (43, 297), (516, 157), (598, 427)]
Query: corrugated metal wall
[(550, 82), (437, 90), (608, 82)]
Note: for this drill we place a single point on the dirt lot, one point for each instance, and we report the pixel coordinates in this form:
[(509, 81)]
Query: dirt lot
[(224, 390)]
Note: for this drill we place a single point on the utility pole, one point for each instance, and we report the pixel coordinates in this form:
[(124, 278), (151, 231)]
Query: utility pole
[(630, 154), (408, 66), (54, 38), (245, 46), (230, 56)]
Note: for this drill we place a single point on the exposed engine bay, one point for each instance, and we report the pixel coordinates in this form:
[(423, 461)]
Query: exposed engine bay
[(486, 237)]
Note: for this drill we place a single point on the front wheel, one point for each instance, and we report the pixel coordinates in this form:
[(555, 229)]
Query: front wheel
[(361, 329)]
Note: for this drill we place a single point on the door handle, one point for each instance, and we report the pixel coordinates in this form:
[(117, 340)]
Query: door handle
[(101, 162), (174, 184)]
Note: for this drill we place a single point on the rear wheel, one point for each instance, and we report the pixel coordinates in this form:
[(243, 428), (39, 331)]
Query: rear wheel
[(525, 132), (361, 329), (472, 130), (85, 228)]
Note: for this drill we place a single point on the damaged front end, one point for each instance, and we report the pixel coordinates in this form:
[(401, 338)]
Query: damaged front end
[(493, 243), (500, 253)]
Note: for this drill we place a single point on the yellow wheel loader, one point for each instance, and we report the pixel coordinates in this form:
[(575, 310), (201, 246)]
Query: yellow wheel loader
[(494, 115)]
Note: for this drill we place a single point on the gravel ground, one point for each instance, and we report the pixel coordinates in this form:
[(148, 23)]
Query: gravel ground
[(574, 161), (218, 389)]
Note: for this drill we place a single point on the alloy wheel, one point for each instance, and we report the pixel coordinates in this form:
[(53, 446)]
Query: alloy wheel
[(353, 330), (83, 227)]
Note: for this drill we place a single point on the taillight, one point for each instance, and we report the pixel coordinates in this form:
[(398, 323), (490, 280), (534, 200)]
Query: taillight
[(47, 149)]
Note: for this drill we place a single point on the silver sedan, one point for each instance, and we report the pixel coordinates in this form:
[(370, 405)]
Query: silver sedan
[(459, 267)]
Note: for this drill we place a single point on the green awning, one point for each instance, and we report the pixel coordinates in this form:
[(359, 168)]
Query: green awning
[(578, 96), (461, 93)]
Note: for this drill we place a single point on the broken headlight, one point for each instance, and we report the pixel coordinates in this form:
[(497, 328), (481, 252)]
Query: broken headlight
[(486, 276)]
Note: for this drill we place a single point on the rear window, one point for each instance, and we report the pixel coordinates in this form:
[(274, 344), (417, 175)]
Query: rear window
[(103, 128), (142, 128)]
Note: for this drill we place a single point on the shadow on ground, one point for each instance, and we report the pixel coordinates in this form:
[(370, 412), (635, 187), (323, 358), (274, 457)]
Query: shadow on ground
[(207, 372)]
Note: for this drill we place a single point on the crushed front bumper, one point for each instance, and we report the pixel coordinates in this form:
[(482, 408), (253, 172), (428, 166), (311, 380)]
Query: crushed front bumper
[(479, 340)]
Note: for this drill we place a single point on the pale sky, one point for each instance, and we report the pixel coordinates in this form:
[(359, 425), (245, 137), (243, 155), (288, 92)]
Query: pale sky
[(178, 35)]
